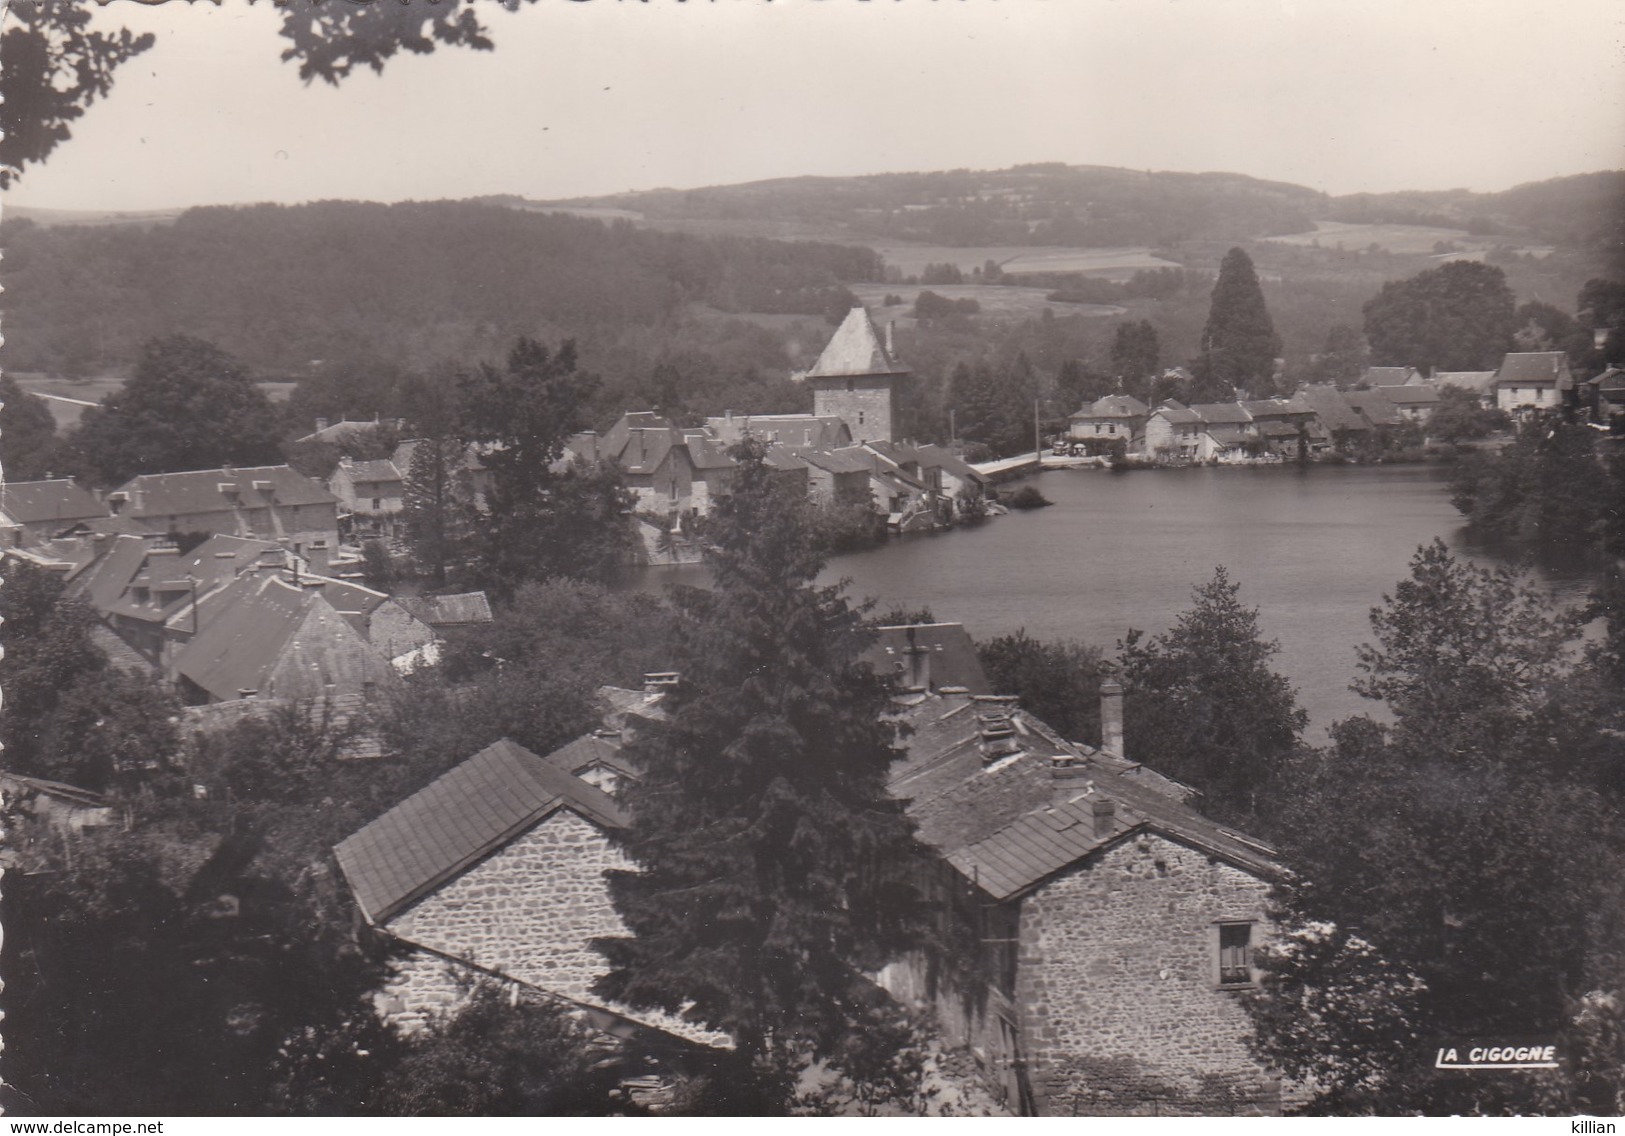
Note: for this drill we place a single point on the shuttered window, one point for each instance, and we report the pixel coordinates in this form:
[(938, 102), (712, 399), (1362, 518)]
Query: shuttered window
[(1235, 954)]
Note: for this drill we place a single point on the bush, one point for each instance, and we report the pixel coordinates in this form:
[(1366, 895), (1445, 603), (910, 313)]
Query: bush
[(1028, 497)]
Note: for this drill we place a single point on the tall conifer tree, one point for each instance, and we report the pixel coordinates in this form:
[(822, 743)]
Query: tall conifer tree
[(1239, 344), (772, 864)]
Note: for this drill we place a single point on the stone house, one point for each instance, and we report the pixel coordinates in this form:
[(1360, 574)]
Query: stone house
[(1343, 424), (1529, 382), (1173, 431), (496, 869), (1106, 927), (268, 502), (370, 493), (1605, 398), (1481, 383), (838, 476), (32, 512), (1413, 402), (1110, 421)]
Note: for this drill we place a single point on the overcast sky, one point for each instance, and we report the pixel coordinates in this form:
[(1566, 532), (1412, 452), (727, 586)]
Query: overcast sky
[(608, 95)]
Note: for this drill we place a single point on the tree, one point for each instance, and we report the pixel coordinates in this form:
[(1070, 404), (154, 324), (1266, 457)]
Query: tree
[(54, 70), (1211, 712), (1461, 416), (188, 406), (538, 520), (1239, 344), (434, 505), (1545, 485), (1344, 358), (773, 866), (29, 432), (1457, 317), (1135, 355), (1601, 305), (1058, 680), (1455, 875)]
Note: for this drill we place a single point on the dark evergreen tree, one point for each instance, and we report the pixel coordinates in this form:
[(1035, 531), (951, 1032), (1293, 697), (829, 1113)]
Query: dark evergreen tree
[(1204, 705), (1344, 358), (773, 867), (1135, 355), (188, 406), (1457, 317), (1239, 344), (1058, 680), (28, 433), (435, 506)]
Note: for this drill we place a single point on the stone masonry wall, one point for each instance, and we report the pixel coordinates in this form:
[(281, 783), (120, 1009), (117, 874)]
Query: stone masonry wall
[(529, 911), (867, 410), (1117, 987)]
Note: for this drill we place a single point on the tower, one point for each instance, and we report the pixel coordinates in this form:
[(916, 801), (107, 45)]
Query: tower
[(856, 378)]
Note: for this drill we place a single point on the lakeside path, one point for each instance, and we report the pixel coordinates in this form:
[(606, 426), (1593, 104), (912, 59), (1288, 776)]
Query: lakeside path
[(1007, 469)]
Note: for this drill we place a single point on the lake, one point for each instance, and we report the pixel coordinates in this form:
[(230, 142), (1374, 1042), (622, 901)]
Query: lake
[(1313, 548)]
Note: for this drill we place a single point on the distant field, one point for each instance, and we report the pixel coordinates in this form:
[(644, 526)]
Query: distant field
[(1399, 239), (1112, 263), (996, 300), (49, 217), (66, 397)]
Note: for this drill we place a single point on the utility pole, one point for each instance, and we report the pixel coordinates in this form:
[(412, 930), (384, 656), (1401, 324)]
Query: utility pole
[(953, 431), (1038, 437)]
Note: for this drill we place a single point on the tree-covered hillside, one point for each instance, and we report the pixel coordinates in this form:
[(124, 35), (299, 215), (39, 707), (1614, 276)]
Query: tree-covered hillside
[(279, 286)]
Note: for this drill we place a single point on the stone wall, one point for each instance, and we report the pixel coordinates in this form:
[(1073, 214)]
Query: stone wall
[(528, 911), (867, 409), (1117, 986)]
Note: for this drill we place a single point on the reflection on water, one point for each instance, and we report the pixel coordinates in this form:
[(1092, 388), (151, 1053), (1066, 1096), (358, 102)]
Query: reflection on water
[(1314, 549)]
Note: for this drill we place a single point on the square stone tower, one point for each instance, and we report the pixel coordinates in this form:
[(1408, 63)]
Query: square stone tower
[(856, 378)]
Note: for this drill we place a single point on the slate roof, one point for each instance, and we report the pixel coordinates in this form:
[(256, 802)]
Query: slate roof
[(1333, 409), (644, 448), (820, 430), (1610, 381), (952, 653), (198, 491), (614, 439), (1178, 414), (1387, 376), (602, 749), (59, 499), (854, 350), (935, 456), (848, 459), (105, 580), (456, 820), (1222, 413), (1412, 394), (1010, 825), (1277, 407), (1531, 368), (1374, 405), (1278, 429), (782, 459), (1114, 406), (381, 469), (1479, 382), (706, 453), (1228, 435), (451, 610)]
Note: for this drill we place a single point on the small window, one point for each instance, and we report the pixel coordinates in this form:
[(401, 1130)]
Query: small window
[(860, 418), (1235, 954), (851, 384)]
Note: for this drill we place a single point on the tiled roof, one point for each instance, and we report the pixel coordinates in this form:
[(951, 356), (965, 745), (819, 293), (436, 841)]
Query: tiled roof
[(1374, 405), (380, 470), (446, 611), (1178, 415), (855, 349), (952, 654), (935, 456), (1222, 413), (1333, 409), (198, 491), (1387, 376), (1527, 368), (1009, 825), (1412, 394), (820, 430), (706, 452), (848, 459), (60, 499), (1114, 406), (1277, 407), (456, 820)]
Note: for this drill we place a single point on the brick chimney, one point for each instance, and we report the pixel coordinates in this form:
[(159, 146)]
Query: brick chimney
[(320, 557), (1111, 718)]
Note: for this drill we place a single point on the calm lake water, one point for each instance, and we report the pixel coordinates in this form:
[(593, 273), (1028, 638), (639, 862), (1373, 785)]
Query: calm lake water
[(1314, 549)]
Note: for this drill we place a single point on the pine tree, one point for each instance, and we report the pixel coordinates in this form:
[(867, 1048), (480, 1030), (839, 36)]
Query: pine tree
[(432, 508), (1239, 344), (772, 864), (1135, 354)]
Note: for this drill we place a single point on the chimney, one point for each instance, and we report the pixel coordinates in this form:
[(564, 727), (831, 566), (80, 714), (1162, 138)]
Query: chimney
[(1111, 718), (320, 557), (1105, 817), (891, 340), (657, 682), (321, 424)]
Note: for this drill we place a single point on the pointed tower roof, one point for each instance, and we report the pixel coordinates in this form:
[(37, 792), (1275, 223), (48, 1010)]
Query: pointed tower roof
[(855, 349)]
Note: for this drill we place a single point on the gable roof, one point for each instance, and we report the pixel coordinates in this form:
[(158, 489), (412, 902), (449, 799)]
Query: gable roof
[(456, 820), (1177, 414), (450, 610), (1387, 376), (821, 430), (1333, 409), (954, 661), (1374, 405), (1277, 407), (380, 469), (705, 452), (59, 499), (848, 459), (855, 349), (198, 491), (105, 580), (1009, 825), (933, 456), (1222, 413), (1412, 394), (1114, 406), (1531, 368)]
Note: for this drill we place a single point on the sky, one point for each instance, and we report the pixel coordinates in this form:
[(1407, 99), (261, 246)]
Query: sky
[(586, 97)]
